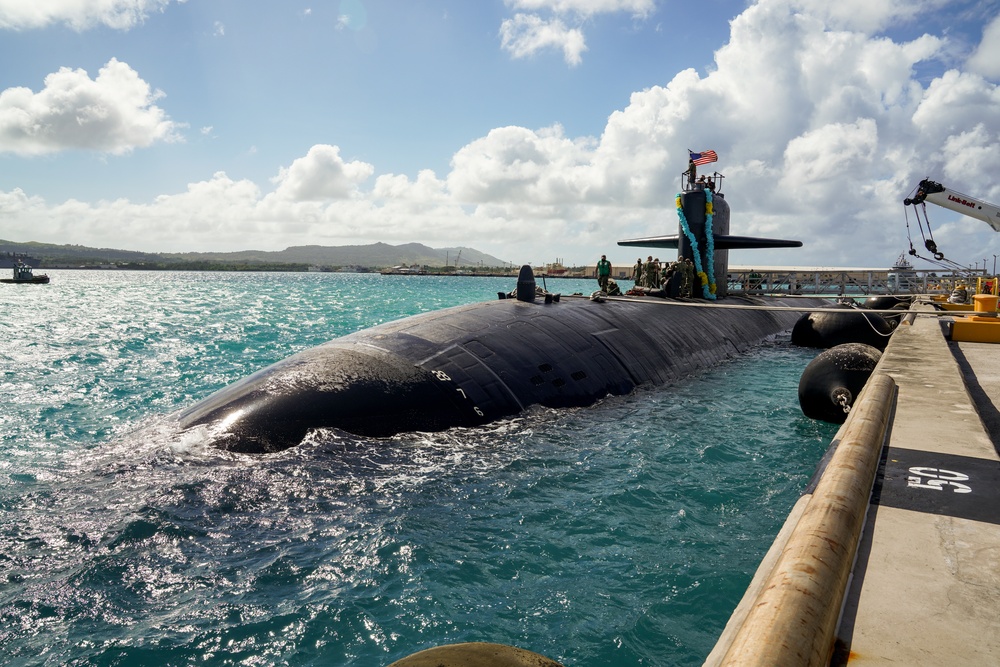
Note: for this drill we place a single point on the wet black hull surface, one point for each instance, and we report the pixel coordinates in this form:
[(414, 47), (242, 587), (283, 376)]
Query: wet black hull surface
[(473, 364)]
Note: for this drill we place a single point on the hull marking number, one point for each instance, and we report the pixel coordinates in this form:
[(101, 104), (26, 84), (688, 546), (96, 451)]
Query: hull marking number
[(444, 377)]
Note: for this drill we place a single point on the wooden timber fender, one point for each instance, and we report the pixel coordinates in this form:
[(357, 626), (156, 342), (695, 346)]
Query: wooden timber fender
[(793, 621)]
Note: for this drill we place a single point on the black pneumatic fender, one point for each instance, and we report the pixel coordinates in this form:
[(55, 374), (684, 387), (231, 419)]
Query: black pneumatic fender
[(826, 329), (887, 302), (832, 381), (895, 318)]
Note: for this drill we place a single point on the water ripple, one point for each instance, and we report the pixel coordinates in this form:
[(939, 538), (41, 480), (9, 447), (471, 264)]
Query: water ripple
[(619, 534)]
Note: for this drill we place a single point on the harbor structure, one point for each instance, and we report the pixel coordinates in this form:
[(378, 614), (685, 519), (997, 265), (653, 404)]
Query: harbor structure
[(892, 555)]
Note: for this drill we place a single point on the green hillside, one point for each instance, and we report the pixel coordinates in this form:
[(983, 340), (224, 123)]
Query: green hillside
[(372, 256)]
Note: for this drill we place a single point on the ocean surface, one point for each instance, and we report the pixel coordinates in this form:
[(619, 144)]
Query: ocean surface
[(620, 534)]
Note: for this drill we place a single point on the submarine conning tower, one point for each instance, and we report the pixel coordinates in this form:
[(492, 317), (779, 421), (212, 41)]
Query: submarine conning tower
[(705, 213), (703, 234)]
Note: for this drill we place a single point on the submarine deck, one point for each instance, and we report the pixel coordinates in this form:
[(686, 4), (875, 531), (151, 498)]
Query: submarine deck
[(925, 583)]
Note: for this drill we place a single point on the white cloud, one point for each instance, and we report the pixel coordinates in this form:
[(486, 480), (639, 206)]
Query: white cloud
[(969, 155), (113, 113), (77, 14), (954, 103), (352, 15), (526, 34), (866, 15), (321, 174), (517, 164), (985, 60), (427, 191), (823, 155)]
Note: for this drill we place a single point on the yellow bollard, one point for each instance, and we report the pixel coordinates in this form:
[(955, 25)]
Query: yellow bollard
[(985, 303)]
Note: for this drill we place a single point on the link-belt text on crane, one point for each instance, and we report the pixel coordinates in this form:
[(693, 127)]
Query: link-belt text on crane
[(963, 202)]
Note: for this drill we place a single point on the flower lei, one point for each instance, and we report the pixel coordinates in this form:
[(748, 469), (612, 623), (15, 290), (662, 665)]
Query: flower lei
[(708, 284)]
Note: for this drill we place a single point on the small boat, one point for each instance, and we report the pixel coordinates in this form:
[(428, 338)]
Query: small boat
[(24, 274)]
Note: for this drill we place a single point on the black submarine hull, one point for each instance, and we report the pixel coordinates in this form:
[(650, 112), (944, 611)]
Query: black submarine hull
[(473, 364)]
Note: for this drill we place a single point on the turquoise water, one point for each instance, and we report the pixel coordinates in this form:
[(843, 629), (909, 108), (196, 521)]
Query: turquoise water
[(620, 534)]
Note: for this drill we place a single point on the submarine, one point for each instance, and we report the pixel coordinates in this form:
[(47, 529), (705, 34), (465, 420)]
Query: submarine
[(469, 365)]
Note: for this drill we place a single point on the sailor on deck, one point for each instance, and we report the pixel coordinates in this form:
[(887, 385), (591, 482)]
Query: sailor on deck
[(687, 277), (649, 274), (603, 273)]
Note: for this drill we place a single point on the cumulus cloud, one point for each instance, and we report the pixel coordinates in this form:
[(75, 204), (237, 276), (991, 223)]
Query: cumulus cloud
[(521, 165), (112, 113), (985, 60), (825, 153), (954, 103), (866, 15), (77, 14), (529, 33), (526, 34), (321, 174), (217, 208), (970, 154)]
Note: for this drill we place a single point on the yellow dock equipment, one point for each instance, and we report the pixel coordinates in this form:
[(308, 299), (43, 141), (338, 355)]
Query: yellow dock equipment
[(984, 328)]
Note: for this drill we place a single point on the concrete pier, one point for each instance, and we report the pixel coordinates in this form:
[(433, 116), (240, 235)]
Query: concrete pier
[(925, 585)]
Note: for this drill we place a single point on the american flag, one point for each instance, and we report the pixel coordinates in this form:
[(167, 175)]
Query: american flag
[(704, 157)]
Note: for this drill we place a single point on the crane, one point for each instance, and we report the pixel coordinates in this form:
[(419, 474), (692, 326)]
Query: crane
[(935, 193)]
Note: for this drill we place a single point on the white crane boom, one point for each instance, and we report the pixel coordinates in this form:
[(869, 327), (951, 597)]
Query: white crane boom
[(936, 193)]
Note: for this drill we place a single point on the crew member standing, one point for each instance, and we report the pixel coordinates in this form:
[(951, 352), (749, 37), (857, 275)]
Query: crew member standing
[(692, 173), (687, 277), (649, 277), (637, 272), (603, 273)]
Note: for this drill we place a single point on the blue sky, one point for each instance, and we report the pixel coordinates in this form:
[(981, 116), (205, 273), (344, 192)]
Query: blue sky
[(528, 129)]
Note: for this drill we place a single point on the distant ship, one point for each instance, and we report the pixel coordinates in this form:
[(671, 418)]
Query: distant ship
[(9, 259), (902, 277), (404, 270)]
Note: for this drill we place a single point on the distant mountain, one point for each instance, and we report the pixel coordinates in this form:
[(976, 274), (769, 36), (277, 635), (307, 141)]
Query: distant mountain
[(375, 255), (50, 251)]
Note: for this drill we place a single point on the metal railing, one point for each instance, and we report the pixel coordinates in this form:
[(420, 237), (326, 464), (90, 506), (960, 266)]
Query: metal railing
[(853, 283), (712, 181)]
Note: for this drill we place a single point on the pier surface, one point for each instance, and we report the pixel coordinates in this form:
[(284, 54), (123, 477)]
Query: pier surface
[(925, 584)]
